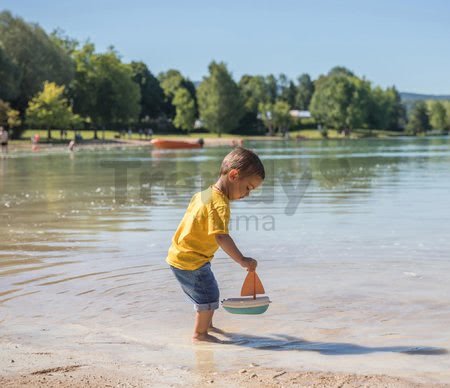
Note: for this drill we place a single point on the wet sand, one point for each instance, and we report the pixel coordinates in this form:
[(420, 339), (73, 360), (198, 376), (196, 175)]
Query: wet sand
[(22, 366)]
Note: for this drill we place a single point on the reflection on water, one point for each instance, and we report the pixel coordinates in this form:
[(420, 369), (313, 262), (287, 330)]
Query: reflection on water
[(351, 236)]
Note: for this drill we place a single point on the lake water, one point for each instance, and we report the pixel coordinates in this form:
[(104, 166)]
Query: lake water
[(352, 239)]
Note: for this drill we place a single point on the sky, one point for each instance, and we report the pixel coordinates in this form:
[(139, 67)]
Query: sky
[(405, 43)]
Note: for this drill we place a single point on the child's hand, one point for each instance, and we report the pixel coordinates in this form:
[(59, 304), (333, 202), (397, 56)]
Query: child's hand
[(249, 263)]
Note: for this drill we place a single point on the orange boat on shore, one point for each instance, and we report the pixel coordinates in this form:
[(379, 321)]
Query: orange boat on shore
[(166, 144)]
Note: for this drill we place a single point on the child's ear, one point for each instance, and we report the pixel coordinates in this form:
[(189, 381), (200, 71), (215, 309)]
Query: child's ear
[(233, 174)]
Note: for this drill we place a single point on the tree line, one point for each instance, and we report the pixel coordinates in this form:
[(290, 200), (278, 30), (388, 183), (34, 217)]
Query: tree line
[(53, 81)]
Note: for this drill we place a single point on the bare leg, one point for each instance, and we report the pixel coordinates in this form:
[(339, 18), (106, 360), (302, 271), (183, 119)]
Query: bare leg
[(202, 321)]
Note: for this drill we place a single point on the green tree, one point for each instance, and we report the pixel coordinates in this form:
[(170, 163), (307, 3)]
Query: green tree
[(35, 55), (418, 119), (9, 77), (341, 70), (289, 94), (152, 95), (9, 118), (275, 116), (446, 105), (358, 109), (219, 100), (103, 89), (254, 90), (265, 113), (83, 89), (185, 110), (170, 82), (281, 117), (341, 101), (49, 109), (396, 110), (287, 90), (438, 115), (14, 120), (65, 42), (272, 86), (378, 113), (118, 96), (305, 91)]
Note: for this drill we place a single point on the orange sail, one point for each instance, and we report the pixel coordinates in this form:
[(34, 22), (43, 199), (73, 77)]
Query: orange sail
[(252, 285)]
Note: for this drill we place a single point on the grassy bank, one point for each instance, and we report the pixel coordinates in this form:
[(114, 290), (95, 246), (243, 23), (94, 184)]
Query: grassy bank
[(312, 133), (111, 136), (88, 135), (355, 134)]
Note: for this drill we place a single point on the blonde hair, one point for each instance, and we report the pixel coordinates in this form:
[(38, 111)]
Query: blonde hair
[(243, 160)]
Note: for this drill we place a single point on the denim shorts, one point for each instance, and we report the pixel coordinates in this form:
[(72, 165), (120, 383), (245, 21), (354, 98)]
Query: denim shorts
[(200, 286)]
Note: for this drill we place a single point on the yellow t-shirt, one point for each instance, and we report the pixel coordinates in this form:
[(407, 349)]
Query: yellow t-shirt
[(194, 242)]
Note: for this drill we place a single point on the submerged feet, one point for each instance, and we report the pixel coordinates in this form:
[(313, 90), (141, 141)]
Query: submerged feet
[(203, 324), (205, 337), (216, 330)]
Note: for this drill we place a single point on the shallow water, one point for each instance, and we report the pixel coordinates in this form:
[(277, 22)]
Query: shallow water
[(351, 238)]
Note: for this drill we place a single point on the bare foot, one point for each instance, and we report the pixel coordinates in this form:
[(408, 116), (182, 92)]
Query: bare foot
[(205, 338), (216, 330)]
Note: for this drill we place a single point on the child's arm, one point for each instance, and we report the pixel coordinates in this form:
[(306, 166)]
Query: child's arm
[(230, 248)]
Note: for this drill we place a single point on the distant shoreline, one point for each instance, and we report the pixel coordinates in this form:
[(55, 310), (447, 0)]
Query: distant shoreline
[(209, 141)]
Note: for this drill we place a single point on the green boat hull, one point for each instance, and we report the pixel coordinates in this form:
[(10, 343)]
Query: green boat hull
[(247, 310)]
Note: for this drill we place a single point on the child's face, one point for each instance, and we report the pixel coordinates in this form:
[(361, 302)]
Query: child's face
[(241, 187)]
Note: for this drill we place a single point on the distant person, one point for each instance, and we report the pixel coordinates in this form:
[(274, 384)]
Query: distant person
[(237, 143), (130, 133), (35, 142), (4, 140), (140, 133), (150, 133), (72, 145), (204, 228)]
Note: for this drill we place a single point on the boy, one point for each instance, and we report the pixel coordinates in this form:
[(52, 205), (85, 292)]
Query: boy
[(204, 228)]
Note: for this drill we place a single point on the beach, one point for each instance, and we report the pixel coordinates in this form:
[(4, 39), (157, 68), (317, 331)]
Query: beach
[(352, 251), (117, 122), (42, 367)]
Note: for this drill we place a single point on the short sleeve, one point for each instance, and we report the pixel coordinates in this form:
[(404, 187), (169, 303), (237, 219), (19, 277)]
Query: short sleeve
[(218, 220)]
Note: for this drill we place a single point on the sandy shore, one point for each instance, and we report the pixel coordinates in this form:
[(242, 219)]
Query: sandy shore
[(82, 376), (22, 366)]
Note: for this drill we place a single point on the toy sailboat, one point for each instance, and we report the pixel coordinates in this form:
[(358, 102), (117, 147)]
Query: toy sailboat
[(256, 305)]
